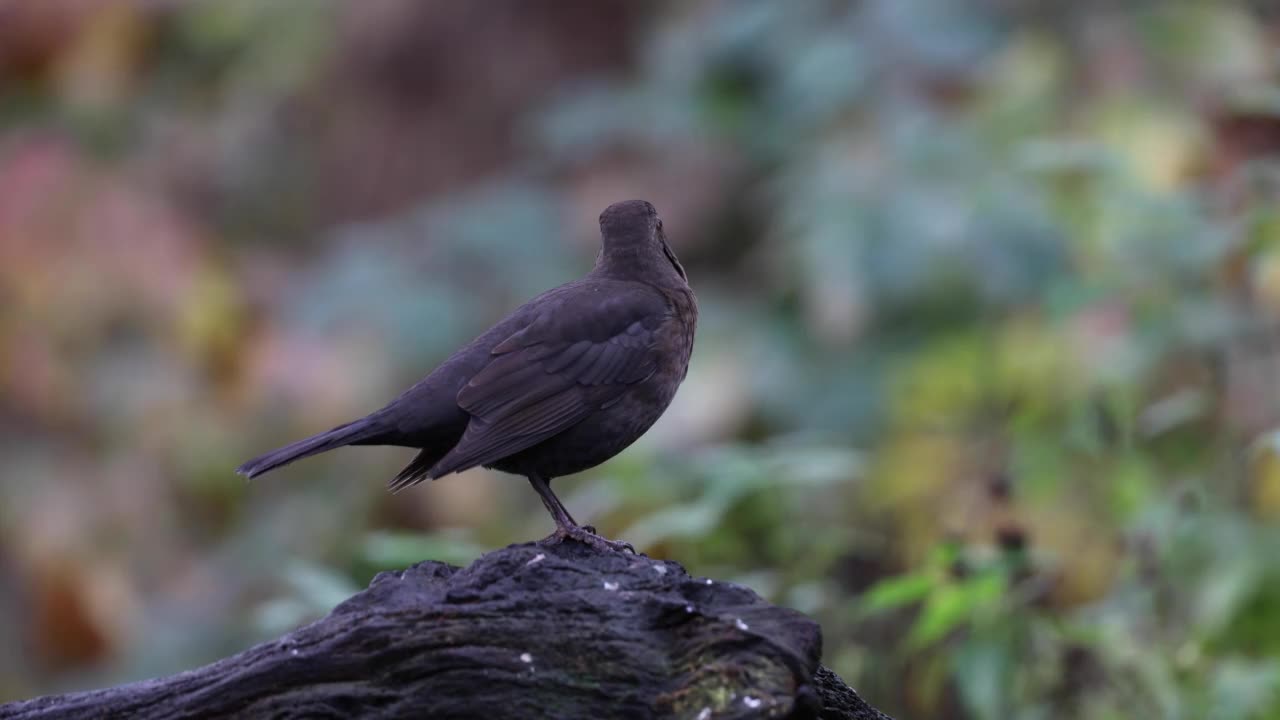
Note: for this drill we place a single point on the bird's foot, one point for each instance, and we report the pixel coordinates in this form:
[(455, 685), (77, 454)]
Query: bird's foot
[(587, 536)]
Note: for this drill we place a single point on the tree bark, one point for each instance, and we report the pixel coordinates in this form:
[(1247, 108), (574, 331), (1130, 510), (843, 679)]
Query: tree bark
[(527, 632)]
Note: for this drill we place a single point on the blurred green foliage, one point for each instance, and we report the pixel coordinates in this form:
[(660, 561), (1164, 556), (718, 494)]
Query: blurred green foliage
[(986, 379)]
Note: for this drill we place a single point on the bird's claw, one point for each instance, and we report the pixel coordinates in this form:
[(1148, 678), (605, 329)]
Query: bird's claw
[(587, 536)]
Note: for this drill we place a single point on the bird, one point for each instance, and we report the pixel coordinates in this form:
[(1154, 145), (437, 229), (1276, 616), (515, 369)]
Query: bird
[(566, 381)]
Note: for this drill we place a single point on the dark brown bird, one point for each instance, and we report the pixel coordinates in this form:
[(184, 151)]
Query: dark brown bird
[(565, 382)]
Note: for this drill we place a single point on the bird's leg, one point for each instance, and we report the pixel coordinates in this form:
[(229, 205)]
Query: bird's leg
[(566, 527), (557, 509)]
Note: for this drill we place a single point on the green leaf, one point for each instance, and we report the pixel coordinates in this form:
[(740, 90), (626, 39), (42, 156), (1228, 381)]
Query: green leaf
[(951, 606), (897, 591)]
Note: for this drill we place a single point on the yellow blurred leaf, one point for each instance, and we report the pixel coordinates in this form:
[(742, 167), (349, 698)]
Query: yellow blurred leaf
[(100, 67), (1265, 491), (211, 318), (941, 386), (1160, 145)]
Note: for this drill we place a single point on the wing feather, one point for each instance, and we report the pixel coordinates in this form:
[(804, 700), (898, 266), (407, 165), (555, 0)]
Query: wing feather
[(568, 356), (554, 372), (523, 429)]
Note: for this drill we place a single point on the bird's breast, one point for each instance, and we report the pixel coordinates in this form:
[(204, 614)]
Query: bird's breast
[(675, 339)]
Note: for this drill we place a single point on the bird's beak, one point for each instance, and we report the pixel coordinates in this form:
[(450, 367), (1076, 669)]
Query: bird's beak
[(666, 250)]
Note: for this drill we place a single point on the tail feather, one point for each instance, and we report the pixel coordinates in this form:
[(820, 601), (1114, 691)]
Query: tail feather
[(348, 434), (415, 472)]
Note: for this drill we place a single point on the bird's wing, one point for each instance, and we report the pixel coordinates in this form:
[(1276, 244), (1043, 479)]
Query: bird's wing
[(574, 358)]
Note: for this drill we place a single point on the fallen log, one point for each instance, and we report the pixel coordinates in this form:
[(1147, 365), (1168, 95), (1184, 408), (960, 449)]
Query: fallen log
[(528, 632)]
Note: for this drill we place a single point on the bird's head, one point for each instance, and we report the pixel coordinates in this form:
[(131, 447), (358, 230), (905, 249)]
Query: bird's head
[(633, 241)]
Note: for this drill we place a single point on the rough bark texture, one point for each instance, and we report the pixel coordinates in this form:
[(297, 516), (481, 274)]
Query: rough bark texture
[(524, 632)]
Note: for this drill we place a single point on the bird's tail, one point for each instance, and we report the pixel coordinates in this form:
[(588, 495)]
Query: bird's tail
[(351, 433)]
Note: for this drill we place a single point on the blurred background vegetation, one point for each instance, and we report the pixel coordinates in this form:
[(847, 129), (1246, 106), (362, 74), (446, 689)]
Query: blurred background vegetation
[(986, 379)]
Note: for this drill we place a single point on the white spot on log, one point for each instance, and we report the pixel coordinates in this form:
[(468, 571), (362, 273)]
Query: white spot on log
[(610, 585), (741, 625), (705, 714), (660, 569), (526, 658), (536, 559), (752, 702), (688, 609), (708, 581), (294, 652)]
